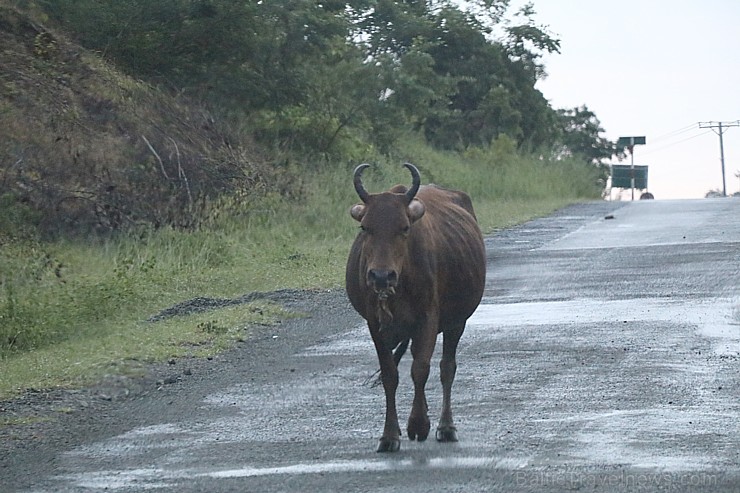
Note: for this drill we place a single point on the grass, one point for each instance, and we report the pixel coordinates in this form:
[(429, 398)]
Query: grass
[(23, 420), (122, 347), (72, 312)]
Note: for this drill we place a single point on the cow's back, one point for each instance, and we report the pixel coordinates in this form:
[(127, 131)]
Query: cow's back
[(449, 230)]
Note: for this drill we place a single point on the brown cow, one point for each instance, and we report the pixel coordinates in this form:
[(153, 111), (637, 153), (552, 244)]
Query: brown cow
[(416, 268)]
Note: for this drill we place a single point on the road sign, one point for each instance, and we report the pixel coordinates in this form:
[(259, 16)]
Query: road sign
[(622, 176), (631, 141)]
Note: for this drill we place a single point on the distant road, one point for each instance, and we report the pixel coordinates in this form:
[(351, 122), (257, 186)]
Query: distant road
[(605, 357)]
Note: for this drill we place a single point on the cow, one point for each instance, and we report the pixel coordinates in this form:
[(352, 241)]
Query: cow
[(416, 268)]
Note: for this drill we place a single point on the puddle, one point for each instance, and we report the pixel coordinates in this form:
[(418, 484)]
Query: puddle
[(716, 319), (152, 478), (373, 465)]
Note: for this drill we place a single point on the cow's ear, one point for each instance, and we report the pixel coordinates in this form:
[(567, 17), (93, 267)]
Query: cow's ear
[(416, 210), (357, 212)]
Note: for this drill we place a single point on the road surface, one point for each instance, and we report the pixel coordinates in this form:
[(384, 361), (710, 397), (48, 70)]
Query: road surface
[(605, 357)]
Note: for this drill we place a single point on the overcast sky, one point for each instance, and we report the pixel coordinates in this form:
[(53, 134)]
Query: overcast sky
[(654, 68)]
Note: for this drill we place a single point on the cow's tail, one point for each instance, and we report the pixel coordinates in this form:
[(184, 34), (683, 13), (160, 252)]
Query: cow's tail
[(400, 350), (398, 353)]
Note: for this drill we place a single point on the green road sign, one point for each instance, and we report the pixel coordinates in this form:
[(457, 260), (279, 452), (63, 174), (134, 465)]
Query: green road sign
[(631, 141), (622, 176)]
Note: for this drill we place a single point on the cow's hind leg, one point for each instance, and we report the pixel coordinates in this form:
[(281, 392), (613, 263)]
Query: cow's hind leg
[(446, 431)]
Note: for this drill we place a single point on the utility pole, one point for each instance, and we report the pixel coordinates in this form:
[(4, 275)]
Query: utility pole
[(720, 128)]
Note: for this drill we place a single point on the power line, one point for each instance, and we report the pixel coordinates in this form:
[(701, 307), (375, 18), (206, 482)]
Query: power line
[(676, 143), (720, 128), (674, 133)]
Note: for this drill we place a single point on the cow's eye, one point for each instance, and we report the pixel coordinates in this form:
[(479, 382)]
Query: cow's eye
[(363, 228), (406, 230)]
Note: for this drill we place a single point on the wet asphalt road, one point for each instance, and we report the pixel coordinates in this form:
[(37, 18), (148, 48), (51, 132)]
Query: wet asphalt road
[(605, 357)]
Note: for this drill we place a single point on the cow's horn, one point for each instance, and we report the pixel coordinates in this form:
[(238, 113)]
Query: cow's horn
[(416, 181), (358, 182)]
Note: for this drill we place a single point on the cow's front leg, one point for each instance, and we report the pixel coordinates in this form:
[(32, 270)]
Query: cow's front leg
[(421, 349), (391, 439)]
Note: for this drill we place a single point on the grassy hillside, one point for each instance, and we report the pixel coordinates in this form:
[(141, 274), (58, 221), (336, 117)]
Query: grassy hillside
[(197, 210), (71, 311)]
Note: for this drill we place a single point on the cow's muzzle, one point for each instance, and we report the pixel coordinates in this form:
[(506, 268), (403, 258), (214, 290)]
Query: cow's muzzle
[(382, 281)]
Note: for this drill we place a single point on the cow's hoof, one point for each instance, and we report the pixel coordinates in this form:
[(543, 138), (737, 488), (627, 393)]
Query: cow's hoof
[(447, 434), (422, 436), (389, 445), (418, 429)]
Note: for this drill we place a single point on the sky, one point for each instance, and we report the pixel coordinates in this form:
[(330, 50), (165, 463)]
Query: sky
[(653, 68)]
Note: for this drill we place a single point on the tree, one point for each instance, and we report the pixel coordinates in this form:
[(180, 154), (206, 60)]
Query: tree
[(527, 41), (580, 136), (311, 75), (495, 91)]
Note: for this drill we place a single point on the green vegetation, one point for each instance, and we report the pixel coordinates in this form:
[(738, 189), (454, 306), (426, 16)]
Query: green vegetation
[(73, 311), (157, 151)]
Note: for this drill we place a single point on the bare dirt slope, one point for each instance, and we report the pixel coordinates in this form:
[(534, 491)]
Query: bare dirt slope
[(88, 148)]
